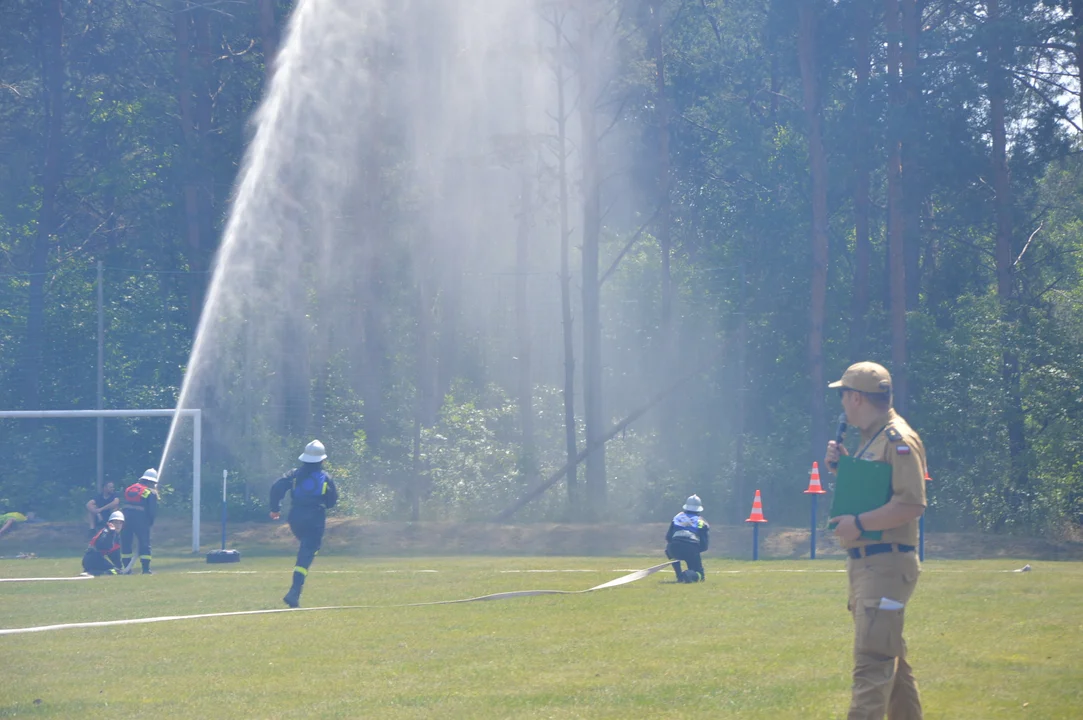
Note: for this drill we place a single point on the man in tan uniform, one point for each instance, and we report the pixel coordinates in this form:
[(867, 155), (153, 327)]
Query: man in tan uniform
[(882, 572)]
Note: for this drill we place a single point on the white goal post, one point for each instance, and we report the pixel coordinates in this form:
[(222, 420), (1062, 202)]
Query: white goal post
[(197, 441)]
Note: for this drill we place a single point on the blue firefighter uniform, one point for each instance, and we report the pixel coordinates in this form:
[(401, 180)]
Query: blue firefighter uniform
[(311, 492), (687, 537)]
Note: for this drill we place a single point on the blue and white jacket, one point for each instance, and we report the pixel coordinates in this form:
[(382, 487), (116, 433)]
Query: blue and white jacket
[(689, 528)]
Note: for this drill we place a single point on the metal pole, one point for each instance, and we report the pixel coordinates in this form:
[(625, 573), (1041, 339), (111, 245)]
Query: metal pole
[(224, 474), (197, 479), (755, 541), (101, 379), (812, 535), (921, 521), (921, 538), (741, 480)]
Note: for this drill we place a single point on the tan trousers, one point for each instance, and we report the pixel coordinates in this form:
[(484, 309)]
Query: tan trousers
[(883, 680)]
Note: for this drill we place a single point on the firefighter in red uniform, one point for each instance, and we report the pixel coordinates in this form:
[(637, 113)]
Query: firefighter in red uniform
[(311, 492), (102, 556), (140, 506)]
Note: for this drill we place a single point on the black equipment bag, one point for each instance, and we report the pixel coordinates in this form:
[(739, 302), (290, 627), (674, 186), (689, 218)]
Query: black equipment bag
[(224, 556)]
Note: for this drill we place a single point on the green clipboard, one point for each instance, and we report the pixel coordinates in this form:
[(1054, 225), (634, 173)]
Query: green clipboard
[(860, 486)]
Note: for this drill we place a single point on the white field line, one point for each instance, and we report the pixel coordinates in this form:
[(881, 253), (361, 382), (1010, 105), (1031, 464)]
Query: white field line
[(632, 577), (764, 571), (33, 579), (323, 572), (620, 570), (555, 571)]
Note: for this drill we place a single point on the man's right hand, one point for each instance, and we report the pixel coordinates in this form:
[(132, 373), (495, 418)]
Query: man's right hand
[(274, 515), (834, 450)]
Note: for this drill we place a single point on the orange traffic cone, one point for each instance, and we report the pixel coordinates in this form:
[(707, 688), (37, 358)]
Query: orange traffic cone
[(814, 486), (757, 510), (927, 478)]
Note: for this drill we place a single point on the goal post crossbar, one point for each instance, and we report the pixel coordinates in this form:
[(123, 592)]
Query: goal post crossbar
[(197, 440)]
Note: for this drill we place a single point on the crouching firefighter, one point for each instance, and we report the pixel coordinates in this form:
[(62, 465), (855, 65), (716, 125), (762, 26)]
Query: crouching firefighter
[(102, 556), (311, 492), (140, 506), (687, 537)]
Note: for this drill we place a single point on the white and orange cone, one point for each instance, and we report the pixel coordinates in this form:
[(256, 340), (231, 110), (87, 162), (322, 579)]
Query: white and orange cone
[(757, 510), (814, 486)]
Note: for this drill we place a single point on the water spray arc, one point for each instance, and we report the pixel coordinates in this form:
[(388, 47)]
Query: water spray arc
[(397, 134), (290, 182)]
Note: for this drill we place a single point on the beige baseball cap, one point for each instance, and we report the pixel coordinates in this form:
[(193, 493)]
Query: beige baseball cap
[(866, 377)]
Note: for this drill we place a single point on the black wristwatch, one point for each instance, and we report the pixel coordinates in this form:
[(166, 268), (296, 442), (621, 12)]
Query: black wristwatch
[(857, 522)]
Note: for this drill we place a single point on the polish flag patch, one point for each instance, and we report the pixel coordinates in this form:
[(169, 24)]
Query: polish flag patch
[(902, 449)]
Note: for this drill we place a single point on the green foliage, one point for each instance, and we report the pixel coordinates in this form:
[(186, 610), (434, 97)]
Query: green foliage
[(738, 222)]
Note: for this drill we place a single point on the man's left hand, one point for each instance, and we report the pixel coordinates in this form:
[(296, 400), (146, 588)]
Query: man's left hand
[(846, 529)]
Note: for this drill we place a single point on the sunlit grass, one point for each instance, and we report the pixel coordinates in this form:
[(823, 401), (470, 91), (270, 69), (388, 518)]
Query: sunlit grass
[(757, 640)]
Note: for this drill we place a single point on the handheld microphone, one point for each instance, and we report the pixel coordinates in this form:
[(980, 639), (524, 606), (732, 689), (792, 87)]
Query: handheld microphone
[(840, 436)]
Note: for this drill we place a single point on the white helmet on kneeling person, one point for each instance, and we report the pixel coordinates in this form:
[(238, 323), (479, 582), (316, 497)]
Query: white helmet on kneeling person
[(117, 516)]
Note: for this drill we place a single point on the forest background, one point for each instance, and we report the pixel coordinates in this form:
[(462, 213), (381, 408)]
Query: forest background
[(755, 194)]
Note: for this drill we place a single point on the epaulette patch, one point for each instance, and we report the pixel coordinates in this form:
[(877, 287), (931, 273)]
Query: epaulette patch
[(893, 435)]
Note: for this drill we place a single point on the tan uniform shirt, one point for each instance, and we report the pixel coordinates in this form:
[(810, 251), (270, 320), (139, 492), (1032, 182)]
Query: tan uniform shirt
[(899, 446)]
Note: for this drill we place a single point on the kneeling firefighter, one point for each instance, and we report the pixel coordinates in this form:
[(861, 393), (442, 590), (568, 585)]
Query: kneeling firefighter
[(688, 536), (311, 492), (102, 556)]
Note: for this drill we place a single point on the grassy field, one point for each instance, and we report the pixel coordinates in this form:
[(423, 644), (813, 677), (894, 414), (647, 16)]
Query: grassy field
[(757, 640)]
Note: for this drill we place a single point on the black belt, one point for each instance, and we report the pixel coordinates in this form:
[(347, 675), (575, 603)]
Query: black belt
[(878, 548)]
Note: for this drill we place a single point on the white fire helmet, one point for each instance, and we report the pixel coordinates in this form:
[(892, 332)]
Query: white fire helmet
[(151, 475), (693, 504), (117, 515), (314, 452)]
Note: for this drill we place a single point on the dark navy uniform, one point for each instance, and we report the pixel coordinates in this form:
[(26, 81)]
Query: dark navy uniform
[(687, 537), (311, 492), (102, 556), (140, 507)]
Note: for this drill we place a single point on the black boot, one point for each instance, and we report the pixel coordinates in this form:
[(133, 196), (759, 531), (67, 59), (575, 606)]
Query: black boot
[(293, 597), (146, 566)]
